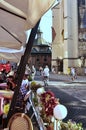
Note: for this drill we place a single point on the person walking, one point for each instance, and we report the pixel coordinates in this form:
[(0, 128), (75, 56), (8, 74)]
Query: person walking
[(33, 72), (27, 70), (40, 70), (46, 75), (73, 73)]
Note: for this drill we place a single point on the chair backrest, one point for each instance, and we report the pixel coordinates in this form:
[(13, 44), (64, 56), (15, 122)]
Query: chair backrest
[(20, 121)]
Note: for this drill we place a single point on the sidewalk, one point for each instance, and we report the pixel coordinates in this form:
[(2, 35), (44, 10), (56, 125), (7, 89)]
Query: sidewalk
[(62, 80), (67, 78)]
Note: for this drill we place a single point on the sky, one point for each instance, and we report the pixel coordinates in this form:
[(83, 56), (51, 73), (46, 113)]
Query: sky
[(45, 26)]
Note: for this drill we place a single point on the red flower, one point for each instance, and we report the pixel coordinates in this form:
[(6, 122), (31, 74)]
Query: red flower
[(48, 101)]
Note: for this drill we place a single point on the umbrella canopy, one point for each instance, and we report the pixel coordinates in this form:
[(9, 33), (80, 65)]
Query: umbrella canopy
[(17, 16), (10, 57), (12, 30), (11, 54)]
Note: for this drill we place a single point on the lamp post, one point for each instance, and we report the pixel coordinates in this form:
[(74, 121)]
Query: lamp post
[(60, 112)]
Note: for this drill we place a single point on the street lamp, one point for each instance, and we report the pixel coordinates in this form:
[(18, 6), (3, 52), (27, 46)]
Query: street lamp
[(60, 112)]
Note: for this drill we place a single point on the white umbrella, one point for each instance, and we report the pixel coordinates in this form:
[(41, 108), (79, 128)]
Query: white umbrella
[(31, 10), (15, 57), (17, 16), (12, 30), (11, 54)]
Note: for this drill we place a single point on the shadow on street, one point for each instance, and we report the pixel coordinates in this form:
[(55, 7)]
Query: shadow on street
[(76, 108)]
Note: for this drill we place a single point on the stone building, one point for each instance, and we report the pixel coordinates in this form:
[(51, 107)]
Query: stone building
[(69, 40), (41, 52)]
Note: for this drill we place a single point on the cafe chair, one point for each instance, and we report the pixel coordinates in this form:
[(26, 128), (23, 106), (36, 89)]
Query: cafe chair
[(20, 121)]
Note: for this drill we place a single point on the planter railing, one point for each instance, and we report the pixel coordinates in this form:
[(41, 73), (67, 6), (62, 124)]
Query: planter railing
[(36, 112)]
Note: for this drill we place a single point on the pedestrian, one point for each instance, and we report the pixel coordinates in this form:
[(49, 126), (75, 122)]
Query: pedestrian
[(46, 75), (33, 72), (53, 69), (40, 70), (73, 73), (27, 70)]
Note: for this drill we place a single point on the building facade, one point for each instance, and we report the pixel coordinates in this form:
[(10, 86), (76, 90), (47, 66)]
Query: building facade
[(41, 52), (69, 43)]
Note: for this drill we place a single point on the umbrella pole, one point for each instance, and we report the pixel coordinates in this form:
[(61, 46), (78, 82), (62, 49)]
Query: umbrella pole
[(21, 70)]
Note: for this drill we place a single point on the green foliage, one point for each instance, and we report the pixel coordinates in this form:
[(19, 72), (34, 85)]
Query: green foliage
[(71, 125), (35, 86), (30, 78), (35, 100)]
